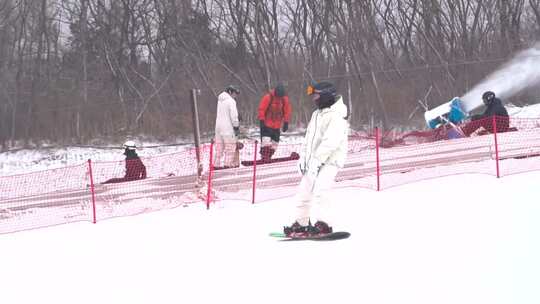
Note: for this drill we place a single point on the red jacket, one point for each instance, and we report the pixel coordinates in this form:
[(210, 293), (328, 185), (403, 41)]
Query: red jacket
[(135, 169), (274, 110)]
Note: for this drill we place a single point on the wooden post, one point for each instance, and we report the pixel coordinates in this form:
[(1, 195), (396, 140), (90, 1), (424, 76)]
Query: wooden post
[(196, 131)]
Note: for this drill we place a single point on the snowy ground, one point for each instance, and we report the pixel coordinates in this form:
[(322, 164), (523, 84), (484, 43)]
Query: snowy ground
[(459, 239), (31, 160), (418, 243)]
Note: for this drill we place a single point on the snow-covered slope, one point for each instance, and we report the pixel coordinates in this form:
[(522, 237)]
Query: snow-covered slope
[(23, 161), (406, 247)]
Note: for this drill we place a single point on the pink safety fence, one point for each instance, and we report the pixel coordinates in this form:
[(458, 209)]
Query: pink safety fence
[(376, 160)]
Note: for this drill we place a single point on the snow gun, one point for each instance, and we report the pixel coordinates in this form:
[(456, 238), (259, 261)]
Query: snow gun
[(451, 113)]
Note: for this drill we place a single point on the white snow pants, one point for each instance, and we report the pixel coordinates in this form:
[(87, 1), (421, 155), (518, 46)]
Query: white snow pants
[(225, 150), (314, 198)]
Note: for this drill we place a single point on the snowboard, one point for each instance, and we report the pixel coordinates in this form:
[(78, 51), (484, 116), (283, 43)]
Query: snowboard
[(334, 236), (225, 167), (293, 156)]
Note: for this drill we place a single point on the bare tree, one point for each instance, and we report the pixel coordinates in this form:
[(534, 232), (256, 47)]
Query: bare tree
[(79, 69)]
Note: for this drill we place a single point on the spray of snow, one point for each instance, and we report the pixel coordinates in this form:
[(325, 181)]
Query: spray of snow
[(519, 73)]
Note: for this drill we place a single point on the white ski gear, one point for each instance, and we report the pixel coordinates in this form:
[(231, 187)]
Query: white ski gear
[(322, 154), (226, 123), (227, 115), (325, 142)]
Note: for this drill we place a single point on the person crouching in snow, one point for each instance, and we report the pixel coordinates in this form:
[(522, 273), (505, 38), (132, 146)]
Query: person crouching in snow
[(135, 169), (494, 107), (323, 152), (227, 128), (274, 110)]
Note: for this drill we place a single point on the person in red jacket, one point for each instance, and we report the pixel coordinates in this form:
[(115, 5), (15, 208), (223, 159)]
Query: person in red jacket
[(274, 116), (135, 169)]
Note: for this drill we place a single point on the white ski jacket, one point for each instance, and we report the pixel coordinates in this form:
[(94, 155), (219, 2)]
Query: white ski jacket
[(227, 115), (326, 137)]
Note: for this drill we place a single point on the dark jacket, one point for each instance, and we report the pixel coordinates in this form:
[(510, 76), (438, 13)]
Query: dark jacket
[(135, 169), (495, 108)]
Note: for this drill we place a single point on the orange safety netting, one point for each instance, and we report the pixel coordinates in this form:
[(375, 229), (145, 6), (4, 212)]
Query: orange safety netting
[(376, 160)]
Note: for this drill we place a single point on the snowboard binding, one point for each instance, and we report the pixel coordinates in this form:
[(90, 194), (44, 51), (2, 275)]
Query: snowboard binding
[(297, 230)]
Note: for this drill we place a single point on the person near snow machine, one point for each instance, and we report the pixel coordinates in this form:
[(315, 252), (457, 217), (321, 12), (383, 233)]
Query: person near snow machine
[(135, 169), (494, 107), (227, 128), (323, 152), (274, 111)]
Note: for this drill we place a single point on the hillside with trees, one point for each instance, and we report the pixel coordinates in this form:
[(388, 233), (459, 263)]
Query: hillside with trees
[(75, 70)]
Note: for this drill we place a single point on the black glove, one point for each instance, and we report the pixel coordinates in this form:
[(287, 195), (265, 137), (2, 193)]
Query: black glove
[(285, 126), (236, 131)]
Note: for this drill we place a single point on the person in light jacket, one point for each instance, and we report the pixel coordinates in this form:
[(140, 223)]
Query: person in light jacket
[(227, 128), (323, 152)]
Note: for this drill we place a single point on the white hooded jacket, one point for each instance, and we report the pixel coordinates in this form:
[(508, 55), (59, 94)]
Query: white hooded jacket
[(227, 115), (326, 137)]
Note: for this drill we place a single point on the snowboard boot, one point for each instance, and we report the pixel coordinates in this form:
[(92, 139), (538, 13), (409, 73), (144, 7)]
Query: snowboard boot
[(294, 228), (321, 227), (266, 153)]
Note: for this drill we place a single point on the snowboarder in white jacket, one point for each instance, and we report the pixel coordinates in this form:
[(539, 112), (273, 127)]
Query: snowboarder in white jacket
[(227, 128), (323, 152)]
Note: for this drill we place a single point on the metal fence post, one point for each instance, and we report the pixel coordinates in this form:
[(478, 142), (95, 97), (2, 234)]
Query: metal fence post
[(254, 173), (92, 190), (210, 172), (377, 137), (494, 120)]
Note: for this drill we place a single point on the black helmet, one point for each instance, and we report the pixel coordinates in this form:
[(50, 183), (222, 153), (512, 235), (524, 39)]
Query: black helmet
[(279, 91), (488, 97), (232, 89), (327, 93)]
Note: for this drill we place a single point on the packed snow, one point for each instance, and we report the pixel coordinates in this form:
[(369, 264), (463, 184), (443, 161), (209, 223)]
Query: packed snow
[(459, 239), (21, 161), (31, 160), (466, 238)]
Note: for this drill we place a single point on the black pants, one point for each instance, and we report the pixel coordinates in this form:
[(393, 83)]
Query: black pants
[(272, 133)]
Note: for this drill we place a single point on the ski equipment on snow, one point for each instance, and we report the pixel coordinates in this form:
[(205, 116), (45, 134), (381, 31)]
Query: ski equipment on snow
[(334, 236), (293, 156)]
